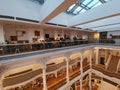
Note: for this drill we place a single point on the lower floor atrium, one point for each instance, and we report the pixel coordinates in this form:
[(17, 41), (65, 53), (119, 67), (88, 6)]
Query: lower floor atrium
[(92, 67)]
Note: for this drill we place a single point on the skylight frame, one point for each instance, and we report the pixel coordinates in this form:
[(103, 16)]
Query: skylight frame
[(85, 5)]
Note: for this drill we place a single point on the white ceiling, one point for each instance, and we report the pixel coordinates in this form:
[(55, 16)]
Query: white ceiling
[(105, 17), (102, 24)]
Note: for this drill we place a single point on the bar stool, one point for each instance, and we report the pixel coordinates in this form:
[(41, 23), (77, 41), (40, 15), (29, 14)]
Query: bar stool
[(17, 49)]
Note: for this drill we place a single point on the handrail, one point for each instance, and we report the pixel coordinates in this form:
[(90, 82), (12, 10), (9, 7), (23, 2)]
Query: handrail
[(57, 85), (74, 75), (21, 78), (8, 57), (7, 49), (86, 67), (108, 73), (55, 67)]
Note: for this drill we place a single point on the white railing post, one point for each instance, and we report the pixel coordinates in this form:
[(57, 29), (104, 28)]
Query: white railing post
[(81, 63), (90, 84), (97, 56), (1, 84), (44, 78), (80, 83), (91, 53), (67, 69)]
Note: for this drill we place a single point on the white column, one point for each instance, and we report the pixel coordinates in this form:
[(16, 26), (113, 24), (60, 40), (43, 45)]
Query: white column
[(97, 56), (81, 63), (30, 35), (42, 34), (90, 84), (91, 53), (44, 78), (62, 33), (67, 69), (55, 34), (81, 84), (71, 35), (75, 86), (2, 38)]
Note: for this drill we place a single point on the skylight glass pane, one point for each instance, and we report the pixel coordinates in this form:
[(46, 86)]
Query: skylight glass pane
[(77, 10), (84, 5), (86, 2), (94, 2), (70, 7), (98, 4)]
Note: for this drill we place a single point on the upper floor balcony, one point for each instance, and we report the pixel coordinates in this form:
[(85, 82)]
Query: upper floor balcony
[(9, 49)]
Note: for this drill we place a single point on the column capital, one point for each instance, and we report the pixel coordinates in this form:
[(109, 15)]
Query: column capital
[(67, 55), (97, 48), (67, 59), (44, 67), (44, 60)]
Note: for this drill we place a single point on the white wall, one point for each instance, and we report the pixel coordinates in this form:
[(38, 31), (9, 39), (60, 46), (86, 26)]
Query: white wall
[(13, 32), (20, 8), (113, 33), (50, 32), (116, 33), (29, 33), (79, 34), (2, 39)]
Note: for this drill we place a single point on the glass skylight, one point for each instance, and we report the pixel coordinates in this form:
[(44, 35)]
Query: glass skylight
[(84, 5)]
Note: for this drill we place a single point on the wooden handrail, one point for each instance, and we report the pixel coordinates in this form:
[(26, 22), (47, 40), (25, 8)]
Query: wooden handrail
[(108, 73), (57, 85)]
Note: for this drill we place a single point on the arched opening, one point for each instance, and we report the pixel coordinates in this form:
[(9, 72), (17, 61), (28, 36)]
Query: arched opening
[(56, 73), (27, 77)]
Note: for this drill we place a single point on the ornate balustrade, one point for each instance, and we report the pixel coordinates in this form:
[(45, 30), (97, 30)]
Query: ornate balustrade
[(101, 68), (21, 78), (55, 67)]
